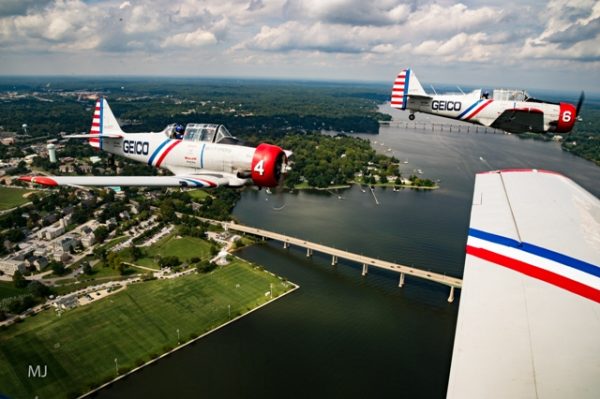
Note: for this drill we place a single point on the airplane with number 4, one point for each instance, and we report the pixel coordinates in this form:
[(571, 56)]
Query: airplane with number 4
[(510, 110), (202, 156)]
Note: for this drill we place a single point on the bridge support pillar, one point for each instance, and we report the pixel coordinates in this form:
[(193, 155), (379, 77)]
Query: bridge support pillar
[(286, 245), (451, 297), (308, 252), (365, 269), (334, 260), (262, 238), (401, 282)]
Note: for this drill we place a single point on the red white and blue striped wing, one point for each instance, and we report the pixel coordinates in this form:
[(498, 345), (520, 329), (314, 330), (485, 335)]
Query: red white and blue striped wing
[(529, 318), (195, 181)]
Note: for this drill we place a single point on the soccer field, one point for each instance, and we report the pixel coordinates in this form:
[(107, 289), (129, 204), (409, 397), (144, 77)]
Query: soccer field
[(133, 326), (11, 197)]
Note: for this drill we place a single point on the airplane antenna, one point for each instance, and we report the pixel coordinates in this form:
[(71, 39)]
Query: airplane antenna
[(458, 87), (433, 88)]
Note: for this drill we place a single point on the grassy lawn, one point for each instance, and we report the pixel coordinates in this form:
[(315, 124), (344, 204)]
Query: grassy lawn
[(184, 248), (8, 289), (133, 326), (198, 195), (11, 197)]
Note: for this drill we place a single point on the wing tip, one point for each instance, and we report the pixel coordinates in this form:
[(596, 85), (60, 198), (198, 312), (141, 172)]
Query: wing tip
[(43, 180)]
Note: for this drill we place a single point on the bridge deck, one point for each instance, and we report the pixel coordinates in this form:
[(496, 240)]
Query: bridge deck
[(365, 260)]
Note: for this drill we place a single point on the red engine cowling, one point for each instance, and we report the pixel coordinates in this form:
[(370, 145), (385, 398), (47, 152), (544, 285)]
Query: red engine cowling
[(566, 118), (268, 164)]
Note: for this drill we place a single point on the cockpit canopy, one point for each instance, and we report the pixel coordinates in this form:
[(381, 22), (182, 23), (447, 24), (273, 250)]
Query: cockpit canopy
[(205, 132), (510, 95)]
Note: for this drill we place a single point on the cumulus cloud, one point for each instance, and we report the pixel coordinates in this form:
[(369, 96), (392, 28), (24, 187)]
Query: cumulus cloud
[(365, 37), (349, 12), (572, 34), (197, 38)]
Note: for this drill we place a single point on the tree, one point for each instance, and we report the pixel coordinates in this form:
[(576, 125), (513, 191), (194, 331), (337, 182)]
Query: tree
[(38, 289), (87, 268), (58, 268), (136, 252), (101, 253), (123, 269), (205, 266), (169, 261), (101, 233), (19, 280), (113, 259)]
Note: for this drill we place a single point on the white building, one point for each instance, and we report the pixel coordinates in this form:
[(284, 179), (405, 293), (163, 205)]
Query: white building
[(54, 231), (51, 152), (10, 266)]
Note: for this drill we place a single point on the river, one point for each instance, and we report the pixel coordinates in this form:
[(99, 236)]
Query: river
[(341, 335)]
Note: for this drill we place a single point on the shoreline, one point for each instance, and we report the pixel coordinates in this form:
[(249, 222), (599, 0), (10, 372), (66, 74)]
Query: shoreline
[(349, 185), (185, 344)]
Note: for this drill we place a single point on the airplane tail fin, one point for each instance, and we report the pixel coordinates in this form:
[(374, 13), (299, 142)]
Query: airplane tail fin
[(103, 122), (406, 84)]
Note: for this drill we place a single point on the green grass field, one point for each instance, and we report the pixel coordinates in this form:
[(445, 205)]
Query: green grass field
[(133, 326), (198, 195), (11, 197), (8, 289), (184, 248)]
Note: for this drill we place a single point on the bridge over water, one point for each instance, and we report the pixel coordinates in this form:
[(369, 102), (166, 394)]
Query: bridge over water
[(439, 126), (403, 270)]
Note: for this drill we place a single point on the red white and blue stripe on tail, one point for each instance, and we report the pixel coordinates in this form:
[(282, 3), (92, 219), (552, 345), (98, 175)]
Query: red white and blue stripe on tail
[(96, 128), (400, 90)]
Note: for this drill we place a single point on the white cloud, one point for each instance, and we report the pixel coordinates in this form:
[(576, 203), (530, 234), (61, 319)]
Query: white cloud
[(197, 38), (320, 37), (349, 12)]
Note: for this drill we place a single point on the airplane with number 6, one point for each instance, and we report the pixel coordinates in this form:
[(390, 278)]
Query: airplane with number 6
[(510, 110), (202, 156)]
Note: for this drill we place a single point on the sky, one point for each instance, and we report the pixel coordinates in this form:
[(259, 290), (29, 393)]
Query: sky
[(527, 44)]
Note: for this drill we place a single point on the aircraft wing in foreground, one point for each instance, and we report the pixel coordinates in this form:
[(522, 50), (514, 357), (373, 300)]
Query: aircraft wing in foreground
[(529, 318)]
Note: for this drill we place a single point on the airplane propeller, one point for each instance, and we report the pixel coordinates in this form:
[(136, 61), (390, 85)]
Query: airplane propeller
[(580, 102), (281, 170)]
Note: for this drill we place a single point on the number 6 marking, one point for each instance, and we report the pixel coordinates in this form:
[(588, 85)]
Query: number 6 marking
[(566, 116), (260, 166)]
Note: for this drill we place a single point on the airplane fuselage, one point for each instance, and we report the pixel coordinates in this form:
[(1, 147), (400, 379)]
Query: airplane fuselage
[(475, 109), (509, 110), (180, 156)]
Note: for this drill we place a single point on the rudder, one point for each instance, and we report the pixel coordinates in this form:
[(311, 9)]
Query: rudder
[(406, 84), (103, 122)]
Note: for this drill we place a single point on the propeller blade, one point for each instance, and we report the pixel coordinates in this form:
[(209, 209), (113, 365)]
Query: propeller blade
[(580, 102), (279, 196)]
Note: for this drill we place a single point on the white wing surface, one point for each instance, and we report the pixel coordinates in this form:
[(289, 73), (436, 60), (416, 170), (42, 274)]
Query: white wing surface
[(197, 181), (529, 318)]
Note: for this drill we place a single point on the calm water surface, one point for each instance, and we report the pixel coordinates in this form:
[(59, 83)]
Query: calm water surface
[(341, 335)]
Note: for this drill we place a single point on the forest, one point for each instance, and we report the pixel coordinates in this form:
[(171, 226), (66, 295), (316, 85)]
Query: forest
[(55, 106)]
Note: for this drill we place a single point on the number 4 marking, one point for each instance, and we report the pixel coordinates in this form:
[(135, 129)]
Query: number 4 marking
[(260, 167)]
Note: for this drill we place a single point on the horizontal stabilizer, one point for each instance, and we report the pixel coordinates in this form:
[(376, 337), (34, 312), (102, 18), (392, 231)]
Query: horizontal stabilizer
[(94, 136), (420, 97)]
